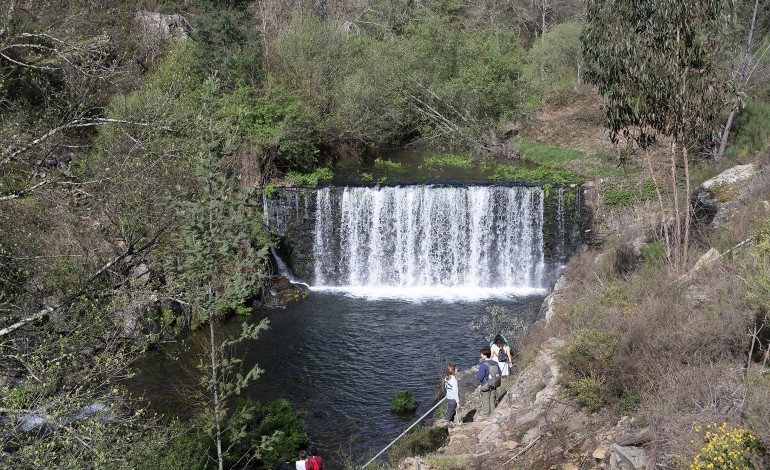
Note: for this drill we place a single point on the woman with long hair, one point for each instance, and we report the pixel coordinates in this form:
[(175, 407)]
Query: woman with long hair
[(501, 352), (452, 392)]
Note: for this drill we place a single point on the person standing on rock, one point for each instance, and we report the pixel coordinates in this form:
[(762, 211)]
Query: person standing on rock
[(488, 394), (452, 393), (301, 463), (501, 352), (316, 460)]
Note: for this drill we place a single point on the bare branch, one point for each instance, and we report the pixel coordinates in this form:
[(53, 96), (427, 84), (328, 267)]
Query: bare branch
[(77, 123), (23, 192), (39, 315)]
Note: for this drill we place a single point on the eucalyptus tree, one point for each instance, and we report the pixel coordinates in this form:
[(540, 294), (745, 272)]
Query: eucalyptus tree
[(659, 66)]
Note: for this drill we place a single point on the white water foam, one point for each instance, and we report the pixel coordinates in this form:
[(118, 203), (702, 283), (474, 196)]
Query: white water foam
[(429, 242)]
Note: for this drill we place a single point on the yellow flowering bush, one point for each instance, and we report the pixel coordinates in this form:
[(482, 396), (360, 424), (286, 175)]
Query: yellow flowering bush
[(725, 448)]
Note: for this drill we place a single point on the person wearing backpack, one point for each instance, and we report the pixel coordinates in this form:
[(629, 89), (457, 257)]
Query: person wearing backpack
[(501, 352), (489, 378)]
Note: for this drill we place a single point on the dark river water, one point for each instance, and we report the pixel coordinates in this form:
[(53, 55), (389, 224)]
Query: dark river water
[(343, 358)]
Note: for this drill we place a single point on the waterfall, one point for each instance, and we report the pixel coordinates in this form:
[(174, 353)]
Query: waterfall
[(418, 241)]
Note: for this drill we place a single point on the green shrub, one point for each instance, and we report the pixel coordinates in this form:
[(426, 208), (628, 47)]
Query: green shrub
[(379, 162), (630, 402), (225, 44), (751, 131), (423, 440), (271, 192), (654, 253), (310, 179), (557, 56), (268, 431), (585, 361), (590, 392), (183, 450), (726, 448), (404, 402), (588, 355)]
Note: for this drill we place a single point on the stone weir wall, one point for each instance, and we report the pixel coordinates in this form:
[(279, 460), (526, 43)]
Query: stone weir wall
[(291, 215)]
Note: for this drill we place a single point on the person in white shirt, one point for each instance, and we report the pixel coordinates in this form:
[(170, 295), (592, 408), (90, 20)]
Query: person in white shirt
[(501, 352), (300, 464), (452, 392)]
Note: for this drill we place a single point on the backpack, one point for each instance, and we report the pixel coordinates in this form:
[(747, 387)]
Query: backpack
[(494, 377), (501, 356)]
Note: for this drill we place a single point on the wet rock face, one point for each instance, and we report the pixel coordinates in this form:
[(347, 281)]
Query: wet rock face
[(283, 291)]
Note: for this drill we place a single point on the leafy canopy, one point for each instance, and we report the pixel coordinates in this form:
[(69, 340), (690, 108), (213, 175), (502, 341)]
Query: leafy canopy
[(659, 65)]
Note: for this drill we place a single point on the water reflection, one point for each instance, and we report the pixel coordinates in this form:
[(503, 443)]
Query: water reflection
[(344, 358)]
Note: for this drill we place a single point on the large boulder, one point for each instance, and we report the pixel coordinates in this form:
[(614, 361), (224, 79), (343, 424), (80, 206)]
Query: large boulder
[(629, 458), (713, 199)]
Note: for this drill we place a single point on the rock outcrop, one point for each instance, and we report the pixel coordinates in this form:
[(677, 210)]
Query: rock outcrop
[(717, 199)]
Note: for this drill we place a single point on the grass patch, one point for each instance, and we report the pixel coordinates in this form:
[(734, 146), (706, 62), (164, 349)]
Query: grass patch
[(424, 440), (447, 463), (313, 179), (454, 161), (540, 174), (752, 132), (616, 196), (536, 389), (545, 154)]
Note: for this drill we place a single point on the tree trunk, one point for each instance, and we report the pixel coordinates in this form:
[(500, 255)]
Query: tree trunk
[(726, 133), (688, 207), (215, 393), (663, 223), (676, 248), (210, 295), (744, 74)]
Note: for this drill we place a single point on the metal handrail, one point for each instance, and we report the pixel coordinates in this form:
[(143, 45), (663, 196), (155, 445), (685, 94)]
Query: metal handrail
[(404, 433)]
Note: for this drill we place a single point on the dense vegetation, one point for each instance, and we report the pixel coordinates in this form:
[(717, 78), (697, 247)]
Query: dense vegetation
[(130, 155)]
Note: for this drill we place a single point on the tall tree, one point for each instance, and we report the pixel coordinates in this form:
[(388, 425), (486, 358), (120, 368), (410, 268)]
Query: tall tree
[(659, 66), (222, 258)]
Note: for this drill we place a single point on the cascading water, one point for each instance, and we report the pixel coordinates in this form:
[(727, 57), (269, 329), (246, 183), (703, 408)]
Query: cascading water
[(423, 241)]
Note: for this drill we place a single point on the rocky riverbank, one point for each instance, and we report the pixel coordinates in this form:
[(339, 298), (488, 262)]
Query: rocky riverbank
[(536, 427)]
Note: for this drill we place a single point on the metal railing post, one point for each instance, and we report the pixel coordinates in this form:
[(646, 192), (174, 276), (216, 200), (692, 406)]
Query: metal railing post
[(404, 433)]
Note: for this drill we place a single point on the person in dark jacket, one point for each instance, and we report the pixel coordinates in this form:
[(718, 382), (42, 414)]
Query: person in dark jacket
[(489, 397), (287, 464)]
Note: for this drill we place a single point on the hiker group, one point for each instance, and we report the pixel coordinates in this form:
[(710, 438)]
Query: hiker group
[(307, 461), (496, 363)]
